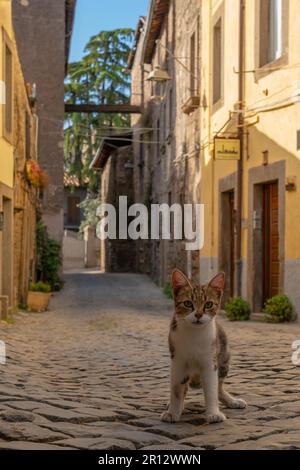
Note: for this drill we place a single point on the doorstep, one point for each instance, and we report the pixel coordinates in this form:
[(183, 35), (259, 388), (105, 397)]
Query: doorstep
[(257, 316), (253, 316)]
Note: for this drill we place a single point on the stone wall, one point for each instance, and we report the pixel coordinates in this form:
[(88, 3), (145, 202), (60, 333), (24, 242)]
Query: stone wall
[(40, 35), (117, 180), (73, 251), (166, 165), (25, 197)]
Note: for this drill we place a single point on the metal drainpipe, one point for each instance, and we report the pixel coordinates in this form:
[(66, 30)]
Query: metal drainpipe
[(239, 211)]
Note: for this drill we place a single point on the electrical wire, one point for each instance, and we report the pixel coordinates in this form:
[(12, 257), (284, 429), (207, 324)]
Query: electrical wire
[(268, 69), (122, 139), (158, 41)]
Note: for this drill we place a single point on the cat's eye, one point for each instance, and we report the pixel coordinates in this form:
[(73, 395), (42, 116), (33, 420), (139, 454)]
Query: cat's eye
[(188, 304), (208, 305)]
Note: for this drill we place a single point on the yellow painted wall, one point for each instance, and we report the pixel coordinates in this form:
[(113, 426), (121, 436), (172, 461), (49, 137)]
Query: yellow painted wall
[(213, 120), (6, 149), (275, 131)]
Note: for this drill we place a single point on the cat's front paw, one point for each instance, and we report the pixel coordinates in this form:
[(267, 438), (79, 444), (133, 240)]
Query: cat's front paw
[(168, 417), (216, 417), (238, 403)]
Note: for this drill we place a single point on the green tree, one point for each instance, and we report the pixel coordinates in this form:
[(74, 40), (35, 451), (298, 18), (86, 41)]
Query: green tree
[(99, 78)]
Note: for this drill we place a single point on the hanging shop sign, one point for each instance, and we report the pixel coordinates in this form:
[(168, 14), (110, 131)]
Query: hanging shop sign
[(227, 149)]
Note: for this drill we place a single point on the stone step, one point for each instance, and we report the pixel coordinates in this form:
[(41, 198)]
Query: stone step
[(256, 316)]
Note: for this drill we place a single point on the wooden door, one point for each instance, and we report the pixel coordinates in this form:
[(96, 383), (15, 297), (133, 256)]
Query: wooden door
[(73, 210), (271, 265), (227, 242), (231, 238)]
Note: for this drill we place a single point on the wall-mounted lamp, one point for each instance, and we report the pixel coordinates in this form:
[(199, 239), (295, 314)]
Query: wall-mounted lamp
[(158, 75)]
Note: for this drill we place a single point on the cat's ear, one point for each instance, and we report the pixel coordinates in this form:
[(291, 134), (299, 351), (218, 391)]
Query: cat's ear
[(179, 280), (218, 282)]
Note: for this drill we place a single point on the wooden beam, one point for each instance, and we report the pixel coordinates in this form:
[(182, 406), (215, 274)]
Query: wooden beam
[(102, 108)]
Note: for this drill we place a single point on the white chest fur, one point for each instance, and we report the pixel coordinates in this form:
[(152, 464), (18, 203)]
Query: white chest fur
[(194, 344)]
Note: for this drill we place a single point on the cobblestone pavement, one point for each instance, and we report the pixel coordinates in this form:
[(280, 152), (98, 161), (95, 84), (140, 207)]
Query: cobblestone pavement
[(93, 373)]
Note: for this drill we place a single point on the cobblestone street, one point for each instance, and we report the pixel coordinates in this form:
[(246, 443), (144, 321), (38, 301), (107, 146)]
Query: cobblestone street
[(92, 373)]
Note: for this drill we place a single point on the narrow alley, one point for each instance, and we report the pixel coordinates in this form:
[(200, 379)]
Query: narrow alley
[(92, 373)]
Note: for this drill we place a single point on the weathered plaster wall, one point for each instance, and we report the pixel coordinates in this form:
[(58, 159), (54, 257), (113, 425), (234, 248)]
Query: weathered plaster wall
[(40, 34)]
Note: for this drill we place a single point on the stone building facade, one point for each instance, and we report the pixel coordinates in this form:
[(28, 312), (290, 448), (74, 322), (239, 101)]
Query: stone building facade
[(7, 55), (209, 70), (43, 32), (26, 197), (167, 136), (18, 199), (114, 162)]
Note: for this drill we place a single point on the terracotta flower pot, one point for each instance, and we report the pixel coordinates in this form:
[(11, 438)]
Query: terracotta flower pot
[(38, 301)]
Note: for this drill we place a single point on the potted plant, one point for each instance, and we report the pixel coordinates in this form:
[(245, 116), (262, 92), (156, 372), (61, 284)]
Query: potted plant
[(37, 177), (237, 309), (278, 309), (38, 296)]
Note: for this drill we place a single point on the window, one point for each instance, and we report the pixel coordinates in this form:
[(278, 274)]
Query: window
[(170, 111), (27, 137), (8, 80), (271, 26), (141, 165), (192, 98), (298, 140), (217, 61), (157, 138), (165, 133), (193, 81), (73, 211)]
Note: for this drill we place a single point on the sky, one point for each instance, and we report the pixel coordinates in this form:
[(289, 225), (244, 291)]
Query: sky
[(93, 16)]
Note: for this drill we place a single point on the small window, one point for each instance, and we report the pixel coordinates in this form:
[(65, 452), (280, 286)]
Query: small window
[(270, 31), (217, 62), (8, 81), (193, 81)]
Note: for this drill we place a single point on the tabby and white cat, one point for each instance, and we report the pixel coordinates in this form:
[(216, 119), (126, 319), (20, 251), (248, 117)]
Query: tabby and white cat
[(198, 348)]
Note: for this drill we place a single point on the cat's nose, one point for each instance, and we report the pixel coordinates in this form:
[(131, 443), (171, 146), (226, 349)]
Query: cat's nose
[(198, 315)]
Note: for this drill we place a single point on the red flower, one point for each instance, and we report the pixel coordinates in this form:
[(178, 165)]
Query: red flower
[(37, 177)]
